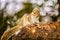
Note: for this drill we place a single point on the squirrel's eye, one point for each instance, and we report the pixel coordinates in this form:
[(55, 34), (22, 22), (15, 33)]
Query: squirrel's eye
[(34, 12)]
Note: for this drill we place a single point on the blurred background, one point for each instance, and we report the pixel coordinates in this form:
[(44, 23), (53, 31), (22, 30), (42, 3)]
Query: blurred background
[(12, 10)]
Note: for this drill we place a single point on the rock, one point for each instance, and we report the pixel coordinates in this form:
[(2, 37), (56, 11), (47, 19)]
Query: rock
[(41, 31)]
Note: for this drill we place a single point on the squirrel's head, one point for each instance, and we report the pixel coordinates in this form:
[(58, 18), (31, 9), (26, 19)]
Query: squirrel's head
[(35, 12), (34, 16)]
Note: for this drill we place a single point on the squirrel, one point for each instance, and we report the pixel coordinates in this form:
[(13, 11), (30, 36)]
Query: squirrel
[(25, 20)]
